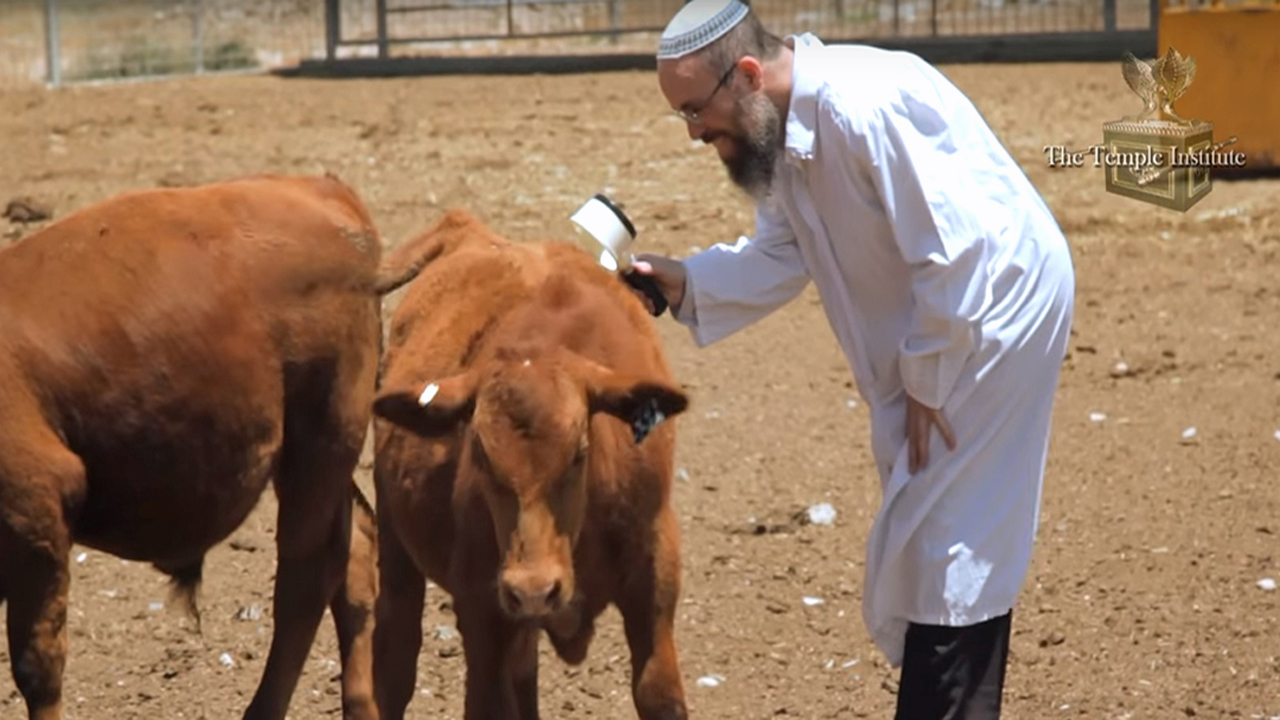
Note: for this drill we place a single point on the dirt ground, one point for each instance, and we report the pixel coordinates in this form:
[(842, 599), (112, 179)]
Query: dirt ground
[(1144, 598)]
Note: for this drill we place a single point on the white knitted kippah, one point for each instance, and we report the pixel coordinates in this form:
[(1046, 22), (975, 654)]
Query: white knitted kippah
[(698, 24)]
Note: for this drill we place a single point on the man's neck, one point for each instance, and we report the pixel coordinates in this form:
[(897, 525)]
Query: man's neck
[(778, 78)]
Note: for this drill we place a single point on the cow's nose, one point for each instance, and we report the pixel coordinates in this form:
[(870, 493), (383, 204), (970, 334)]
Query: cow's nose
[(533, 598)]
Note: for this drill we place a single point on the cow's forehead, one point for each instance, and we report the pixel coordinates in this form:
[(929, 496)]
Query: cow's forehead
[(528, 431), (532, 397)]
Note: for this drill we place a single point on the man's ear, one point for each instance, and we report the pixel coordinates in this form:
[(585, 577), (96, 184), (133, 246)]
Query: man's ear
[(643, 403), (429, 409), (753, 70)]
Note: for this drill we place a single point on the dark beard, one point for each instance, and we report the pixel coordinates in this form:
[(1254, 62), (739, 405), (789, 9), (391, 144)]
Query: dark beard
[(752, 167)]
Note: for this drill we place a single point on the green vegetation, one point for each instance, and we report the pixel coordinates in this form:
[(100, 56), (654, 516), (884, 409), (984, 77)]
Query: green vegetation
[(139, 56)]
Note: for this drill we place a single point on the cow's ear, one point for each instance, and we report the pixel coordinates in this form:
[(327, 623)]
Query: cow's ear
[(643, 403), (428, 408)]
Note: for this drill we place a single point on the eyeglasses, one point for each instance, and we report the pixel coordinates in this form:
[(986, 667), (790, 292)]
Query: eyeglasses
[(695, 115)]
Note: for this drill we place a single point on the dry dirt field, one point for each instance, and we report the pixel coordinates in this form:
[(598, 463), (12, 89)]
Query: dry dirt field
[(1143, 602)]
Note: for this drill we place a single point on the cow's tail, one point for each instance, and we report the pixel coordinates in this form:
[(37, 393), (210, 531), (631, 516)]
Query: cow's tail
[(184, 585), (406, 261)]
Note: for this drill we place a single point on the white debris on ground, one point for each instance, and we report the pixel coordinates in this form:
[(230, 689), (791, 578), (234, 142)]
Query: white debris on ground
[(82, 557), (446, 632), (812, 601), (250, 613), (1239, 213), (710, 681), (156, 606), (1267, 584), (1188, 434), (1097, 417), (682, 475), (822, 514), (225, 660)]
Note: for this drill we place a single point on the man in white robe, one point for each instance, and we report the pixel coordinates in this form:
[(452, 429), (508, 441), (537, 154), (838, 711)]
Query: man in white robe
[(949, 286)]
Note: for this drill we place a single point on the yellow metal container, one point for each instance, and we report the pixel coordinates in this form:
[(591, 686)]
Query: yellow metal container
[(1236, 49)]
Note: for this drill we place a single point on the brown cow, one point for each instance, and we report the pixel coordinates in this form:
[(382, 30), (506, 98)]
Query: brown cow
[(520, 383), (164, 355)]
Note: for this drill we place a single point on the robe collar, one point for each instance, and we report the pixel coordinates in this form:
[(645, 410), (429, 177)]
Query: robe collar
[(802, 115)]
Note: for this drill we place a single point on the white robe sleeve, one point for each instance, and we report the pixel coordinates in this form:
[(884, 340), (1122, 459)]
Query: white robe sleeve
[(728, 287), (906, 150)]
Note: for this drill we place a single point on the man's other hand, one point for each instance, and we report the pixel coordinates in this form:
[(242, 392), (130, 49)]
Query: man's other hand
[(668, 273), (921, 419)]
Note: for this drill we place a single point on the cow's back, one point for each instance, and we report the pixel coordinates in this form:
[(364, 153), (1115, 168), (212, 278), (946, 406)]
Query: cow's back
[(265, 238), (157, 332), (487, 289), (625, 334)]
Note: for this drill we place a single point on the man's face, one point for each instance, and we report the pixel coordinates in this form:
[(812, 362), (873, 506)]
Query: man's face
[(730, 111)]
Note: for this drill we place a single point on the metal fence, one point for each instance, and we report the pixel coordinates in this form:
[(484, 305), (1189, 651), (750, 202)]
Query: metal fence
[(387, 28), (102, 40)]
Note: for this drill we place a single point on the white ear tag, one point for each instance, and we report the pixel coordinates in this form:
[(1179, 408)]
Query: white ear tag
[(428, 393)]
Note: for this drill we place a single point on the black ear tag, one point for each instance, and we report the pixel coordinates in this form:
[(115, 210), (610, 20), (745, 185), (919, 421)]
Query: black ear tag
[(646, 419)]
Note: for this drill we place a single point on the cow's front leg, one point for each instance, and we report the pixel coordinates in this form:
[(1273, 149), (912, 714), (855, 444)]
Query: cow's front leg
[(354, 609), (648, 606), (489, 689), (397, 633), (522, 669)]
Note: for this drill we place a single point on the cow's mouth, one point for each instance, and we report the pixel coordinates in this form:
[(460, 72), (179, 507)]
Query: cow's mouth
[(565, 623)]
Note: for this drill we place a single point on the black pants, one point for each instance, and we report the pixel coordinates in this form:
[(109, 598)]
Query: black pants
[(954, 673)]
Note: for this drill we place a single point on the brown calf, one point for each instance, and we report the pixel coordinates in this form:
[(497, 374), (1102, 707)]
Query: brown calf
[(164, 355), (515, 468)]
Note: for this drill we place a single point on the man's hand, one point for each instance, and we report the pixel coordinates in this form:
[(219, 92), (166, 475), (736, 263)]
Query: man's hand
[(669, 274), (921, 420)]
